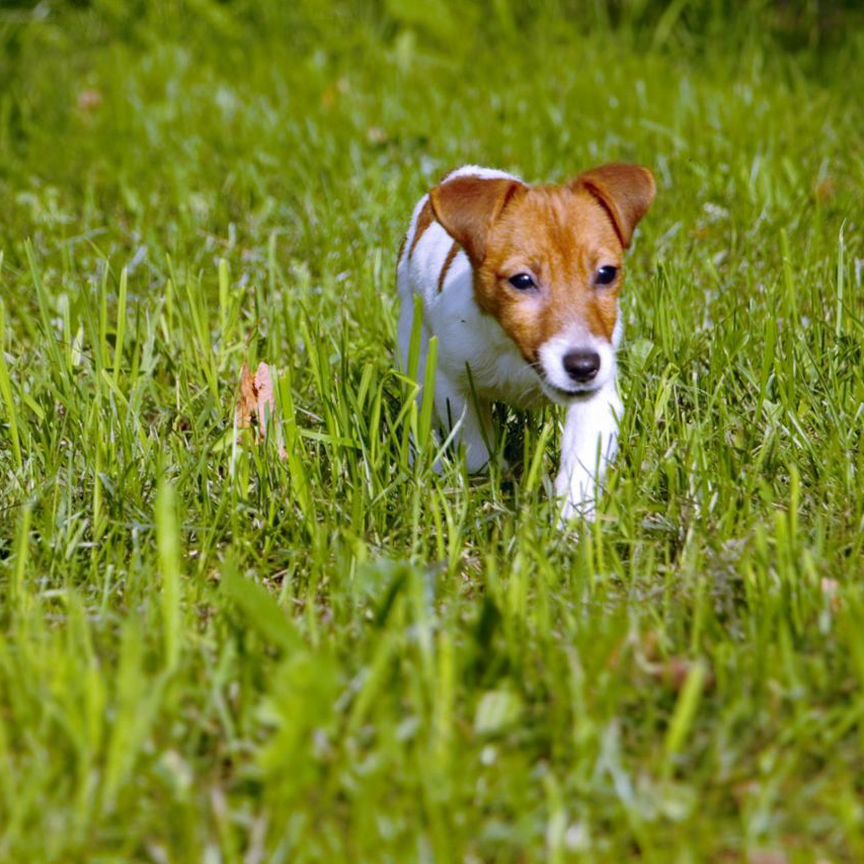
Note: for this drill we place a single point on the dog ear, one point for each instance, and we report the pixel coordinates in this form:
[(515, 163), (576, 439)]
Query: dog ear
[(467, 206), (625, 191)]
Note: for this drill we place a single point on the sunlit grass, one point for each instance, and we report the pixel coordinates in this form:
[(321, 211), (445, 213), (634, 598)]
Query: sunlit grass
[(211, 652)]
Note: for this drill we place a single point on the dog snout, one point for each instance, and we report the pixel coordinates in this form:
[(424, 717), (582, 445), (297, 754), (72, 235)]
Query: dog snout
[(582, 366)]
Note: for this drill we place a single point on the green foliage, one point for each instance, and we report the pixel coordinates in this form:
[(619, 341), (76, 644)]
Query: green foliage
[(211, 652)]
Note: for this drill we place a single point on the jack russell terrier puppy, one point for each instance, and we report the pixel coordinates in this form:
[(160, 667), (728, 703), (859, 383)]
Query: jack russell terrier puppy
[(521, 284)]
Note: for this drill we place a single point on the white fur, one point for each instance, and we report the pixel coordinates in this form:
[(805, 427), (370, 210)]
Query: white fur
[(576, 338), (478, 363)]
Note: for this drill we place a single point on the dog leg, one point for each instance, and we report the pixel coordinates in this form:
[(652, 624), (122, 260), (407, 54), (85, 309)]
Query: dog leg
[(474, 421), (452, 405), (589, 444)]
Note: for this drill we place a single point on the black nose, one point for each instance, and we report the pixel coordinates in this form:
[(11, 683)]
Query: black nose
[(582, 366)]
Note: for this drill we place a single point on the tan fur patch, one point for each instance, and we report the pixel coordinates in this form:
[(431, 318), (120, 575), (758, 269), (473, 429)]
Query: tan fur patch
[(451, 257), (424, 220), (466, 207)]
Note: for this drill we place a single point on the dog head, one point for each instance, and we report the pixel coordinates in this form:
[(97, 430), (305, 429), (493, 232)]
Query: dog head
[(548, 264)]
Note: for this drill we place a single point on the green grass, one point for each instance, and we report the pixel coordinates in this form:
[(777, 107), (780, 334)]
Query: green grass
[(209, 653)]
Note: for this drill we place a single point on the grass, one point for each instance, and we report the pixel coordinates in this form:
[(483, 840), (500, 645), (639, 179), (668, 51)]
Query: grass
[(210, 653)]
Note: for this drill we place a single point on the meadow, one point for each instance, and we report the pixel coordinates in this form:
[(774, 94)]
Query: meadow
[(211, 650)]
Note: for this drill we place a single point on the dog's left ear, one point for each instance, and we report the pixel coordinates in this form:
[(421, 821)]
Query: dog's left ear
[(467, 206), (626, 191)]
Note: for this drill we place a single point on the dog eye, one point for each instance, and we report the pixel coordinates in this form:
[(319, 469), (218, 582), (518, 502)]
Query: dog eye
[(605, 275), (522, 281)]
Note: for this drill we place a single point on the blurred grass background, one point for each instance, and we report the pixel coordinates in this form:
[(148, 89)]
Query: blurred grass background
[(210, 653)]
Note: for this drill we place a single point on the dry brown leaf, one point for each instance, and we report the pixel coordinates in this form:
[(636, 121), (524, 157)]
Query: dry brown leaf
[(257, 399), (257, 402), (266, 402), (247, 404)]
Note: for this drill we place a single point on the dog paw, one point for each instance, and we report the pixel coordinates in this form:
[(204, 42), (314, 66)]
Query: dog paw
[(571, 511), (476, 458)]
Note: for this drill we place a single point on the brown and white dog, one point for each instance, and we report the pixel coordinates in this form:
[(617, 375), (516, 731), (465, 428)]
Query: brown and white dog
[(521, 284)]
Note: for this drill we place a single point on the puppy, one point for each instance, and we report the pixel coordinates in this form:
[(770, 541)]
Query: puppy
[(520, 285)]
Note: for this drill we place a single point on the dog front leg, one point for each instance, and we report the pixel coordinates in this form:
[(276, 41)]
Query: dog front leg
[(589, 444), (471, 420)]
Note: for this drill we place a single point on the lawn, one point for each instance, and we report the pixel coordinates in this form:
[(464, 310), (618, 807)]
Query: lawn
[(211, 650)]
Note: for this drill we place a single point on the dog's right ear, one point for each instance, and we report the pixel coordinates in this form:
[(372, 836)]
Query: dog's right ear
[(625, 191), (467, 206)]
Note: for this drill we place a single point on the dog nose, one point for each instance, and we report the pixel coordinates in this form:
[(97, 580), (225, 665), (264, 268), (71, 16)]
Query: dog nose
[(582, 366)]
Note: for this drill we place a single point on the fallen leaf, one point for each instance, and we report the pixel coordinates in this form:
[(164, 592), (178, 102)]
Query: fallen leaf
[(247, 405), (257, 402), (266, 403)]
